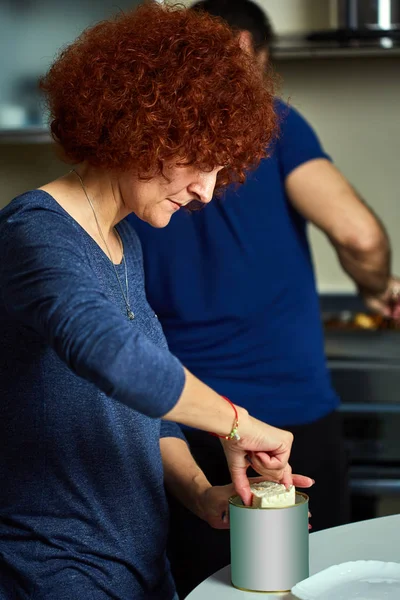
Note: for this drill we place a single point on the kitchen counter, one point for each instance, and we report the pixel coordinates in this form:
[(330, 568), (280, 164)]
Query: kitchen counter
[(376, 539)]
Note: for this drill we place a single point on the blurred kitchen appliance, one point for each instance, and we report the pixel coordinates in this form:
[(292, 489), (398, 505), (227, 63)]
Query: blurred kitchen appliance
[(365, 370), (356, 28), (368, 14)]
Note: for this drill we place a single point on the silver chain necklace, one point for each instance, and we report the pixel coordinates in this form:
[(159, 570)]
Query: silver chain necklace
[(129, 311)]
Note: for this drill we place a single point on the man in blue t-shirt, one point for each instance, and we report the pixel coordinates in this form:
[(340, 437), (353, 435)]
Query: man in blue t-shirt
[(234, 288)]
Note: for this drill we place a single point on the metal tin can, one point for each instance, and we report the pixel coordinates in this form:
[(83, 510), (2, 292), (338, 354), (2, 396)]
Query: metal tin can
[(269, 546)]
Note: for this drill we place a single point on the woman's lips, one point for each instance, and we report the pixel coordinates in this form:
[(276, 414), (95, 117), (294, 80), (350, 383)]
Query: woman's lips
[(175, 205)]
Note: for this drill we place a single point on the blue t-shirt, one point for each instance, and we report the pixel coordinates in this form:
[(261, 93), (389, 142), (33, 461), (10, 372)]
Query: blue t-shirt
[(83, 513), (234, 288)]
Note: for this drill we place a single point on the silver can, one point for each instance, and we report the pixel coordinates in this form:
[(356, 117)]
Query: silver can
[(269, 546)]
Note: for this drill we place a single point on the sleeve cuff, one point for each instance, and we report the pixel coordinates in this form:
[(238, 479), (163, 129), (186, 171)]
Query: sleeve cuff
[(291, 165), (170, 429)]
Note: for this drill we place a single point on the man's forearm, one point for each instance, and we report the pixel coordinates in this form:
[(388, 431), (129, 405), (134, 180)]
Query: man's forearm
[(365, 254), (183, 477), (368, 266), (324, 197)]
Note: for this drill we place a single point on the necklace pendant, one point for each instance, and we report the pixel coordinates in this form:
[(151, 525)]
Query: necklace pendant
[(130, 314)]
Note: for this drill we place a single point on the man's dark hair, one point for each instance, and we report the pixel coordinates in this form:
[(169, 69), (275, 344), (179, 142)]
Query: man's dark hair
[(242, 15)]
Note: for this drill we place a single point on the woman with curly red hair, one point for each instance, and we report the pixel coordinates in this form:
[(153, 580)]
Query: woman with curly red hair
[(141, 107)]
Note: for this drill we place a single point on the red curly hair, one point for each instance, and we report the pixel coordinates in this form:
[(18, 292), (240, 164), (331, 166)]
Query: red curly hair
[(156, 84)]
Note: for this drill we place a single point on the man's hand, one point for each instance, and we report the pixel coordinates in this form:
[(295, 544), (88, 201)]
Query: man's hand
[(213, 503), (386, 304)]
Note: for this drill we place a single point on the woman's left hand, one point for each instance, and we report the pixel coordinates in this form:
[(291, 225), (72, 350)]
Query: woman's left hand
[(214, 506)]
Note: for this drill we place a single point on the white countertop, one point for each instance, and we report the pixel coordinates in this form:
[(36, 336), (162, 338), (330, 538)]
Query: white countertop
[(377, 539)]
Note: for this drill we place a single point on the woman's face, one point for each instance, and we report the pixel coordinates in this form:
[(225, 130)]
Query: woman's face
[(157, 199)]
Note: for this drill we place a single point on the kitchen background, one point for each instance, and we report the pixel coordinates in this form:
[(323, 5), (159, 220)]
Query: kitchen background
[(352, 101), (352, 98)]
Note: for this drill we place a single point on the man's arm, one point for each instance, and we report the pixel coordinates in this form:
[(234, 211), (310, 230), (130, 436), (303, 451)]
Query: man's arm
[(323, 196), (319, 192)]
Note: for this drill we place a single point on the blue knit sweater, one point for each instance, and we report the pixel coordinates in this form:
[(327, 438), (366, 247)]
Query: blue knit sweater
[(83, 513)]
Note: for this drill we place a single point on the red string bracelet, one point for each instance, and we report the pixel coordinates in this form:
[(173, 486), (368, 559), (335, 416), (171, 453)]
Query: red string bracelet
[(234, 432)]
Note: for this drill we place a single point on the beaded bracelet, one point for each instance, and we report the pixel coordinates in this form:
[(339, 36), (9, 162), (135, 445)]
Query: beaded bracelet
[(234, 432)]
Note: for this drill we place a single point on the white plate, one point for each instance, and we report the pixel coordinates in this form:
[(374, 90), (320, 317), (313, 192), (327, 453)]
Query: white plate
[(360, 580)]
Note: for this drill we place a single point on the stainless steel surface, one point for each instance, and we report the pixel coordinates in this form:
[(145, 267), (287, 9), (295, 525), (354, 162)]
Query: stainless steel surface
[(363, 408), (367, 382), (362, 28), (269, 546), (363, 365), (299, 48), (370, 14), (372, 440), (365, 370), (363, 345), (25, 135), (376, 487)]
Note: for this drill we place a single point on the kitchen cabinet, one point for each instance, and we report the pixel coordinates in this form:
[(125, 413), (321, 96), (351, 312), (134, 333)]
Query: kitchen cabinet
[(31, 33)]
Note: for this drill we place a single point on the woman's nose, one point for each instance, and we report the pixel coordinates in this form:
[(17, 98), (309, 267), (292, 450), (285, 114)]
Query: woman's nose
[(204, 185)]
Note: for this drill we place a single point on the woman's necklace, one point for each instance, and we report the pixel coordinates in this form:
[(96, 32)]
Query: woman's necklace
[(125, 296)]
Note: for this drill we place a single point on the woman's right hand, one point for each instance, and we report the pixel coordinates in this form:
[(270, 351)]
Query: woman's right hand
[(266, 448)]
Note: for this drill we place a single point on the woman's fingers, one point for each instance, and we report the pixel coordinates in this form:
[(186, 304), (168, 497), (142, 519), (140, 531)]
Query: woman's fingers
[(242, 484), (262, 461), (270, 470), (267, 449), (273, 444), (238, 465), (301, 481), (287, 478)]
